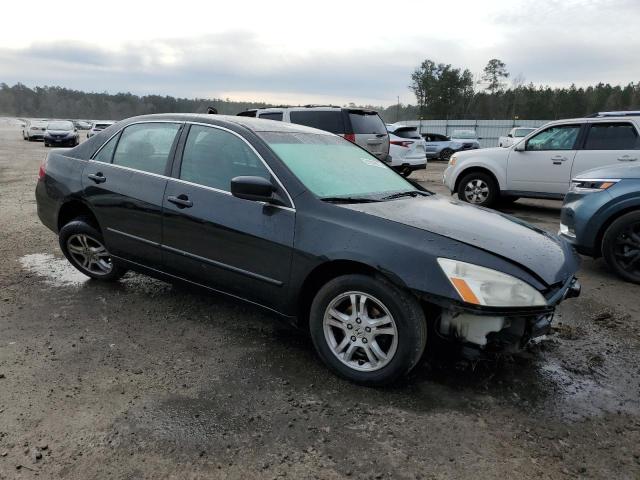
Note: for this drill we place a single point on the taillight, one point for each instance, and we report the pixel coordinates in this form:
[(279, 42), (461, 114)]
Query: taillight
[(351, 137), (43, 169), (401, 143)]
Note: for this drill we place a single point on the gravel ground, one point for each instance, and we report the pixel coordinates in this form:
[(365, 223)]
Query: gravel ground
[(143, 379)]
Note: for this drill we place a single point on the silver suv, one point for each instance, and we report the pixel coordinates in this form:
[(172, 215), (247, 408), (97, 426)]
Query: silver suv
[(361, 126)]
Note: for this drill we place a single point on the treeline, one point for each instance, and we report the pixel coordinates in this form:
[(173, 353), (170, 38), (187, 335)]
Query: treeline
[(446, 100)]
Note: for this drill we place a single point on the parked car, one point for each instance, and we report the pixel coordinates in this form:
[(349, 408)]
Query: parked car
[(543, 164), (61, 133), (82, 124), (515, 135), (469, 138), (36, 130), (442, 147), (406, 149), (25, 129), (307, 225), (98, 127), (361, 126), (601, 217)]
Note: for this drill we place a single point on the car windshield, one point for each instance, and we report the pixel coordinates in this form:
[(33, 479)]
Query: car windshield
[(62, 125), (468, 134), (332, 167), (522, 132)]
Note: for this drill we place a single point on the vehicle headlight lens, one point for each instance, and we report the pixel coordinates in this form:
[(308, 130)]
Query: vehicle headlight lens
[(484, 286), (452, 160), (589, 186)]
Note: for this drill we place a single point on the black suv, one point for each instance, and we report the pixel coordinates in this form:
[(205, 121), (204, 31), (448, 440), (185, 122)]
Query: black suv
[(307, 225)]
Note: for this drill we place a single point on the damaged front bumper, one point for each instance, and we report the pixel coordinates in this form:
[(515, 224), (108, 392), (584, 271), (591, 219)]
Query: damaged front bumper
[(502, 329)]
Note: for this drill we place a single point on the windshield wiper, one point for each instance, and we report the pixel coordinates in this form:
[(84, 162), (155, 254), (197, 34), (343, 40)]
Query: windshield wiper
[(410, 193), (349, 199)]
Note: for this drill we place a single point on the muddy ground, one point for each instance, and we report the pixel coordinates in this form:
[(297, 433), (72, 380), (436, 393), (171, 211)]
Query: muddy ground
[(143, 379)]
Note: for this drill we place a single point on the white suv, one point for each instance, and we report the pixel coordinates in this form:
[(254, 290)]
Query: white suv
[(542, 164), (362, 126)]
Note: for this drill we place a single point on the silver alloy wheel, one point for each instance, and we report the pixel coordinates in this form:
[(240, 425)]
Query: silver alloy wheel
[(360, 331), (89, 254), (476, 191)]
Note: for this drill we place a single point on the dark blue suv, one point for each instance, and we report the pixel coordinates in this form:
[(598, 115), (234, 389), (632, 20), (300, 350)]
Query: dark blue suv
[(601, 217)]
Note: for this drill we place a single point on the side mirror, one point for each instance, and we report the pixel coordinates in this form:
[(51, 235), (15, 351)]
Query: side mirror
[(520, 147), (479, 138), (257, 189)]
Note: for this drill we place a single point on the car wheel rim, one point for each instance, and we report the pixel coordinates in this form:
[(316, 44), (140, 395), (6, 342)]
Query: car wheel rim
[(89, 254), (627, 249), (476, 191), (360, 331), (446, 155)]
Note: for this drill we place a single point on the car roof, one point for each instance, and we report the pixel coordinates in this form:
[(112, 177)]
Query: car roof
[(251, 123)]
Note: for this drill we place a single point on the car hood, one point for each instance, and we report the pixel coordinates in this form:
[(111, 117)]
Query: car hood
[(611, 171), (546, 256)]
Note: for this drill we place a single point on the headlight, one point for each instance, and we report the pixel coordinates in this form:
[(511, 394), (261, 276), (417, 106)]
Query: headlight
[(452, 160), (588, 186), (483, 286)]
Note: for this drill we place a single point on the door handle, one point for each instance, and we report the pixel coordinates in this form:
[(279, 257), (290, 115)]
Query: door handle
[(627, 158), (558, 159), (97, 177), (181, 201)]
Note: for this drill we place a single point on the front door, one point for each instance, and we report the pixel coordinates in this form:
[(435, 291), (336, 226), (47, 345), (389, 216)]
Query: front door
[(233, 245), (544, 166), (124, 184)]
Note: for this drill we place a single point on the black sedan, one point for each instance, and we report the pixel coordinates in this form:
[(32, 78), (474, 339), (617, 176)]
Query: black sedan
[(307, 225), (61, 133)]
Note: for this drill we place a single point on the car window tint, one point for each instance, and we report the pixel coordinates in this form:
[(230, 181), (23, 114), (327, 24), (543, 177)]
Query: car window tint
[(272, 116), (106, 153), (212, 157), (407, 133), (146, 146), (560, 137), (612, 136), (366, 123), (328, 121)]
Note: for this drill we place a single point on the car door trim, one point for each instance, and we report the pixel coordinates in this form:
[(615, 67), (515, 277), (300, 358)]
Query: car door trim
[(134, 237)]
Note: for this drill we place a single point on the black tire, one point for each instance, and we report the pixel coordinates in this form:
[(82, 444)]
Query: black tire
[(46, 144), (405, 172), (29, 139), (480, 181), (621, 246), (82, 226), (407, 316), (445, 154)]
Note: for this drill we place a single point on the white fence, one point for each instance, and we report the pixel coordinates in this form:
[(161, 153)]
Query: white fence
[(487, 130)]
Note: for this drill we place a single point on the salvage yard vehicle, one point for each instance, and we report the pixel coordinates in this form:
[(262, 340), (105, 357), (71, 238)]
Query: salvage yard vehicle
[(98, 127), (308, 225), (601, 217), (406, 150), (442, 147), (361, 126), (36, 130), (543, 164), (515, 135), (61, 133)]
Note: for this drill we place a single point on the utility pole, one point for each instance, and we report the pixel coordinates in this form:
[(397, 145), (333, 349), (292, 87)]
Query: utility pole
[(398, 110)]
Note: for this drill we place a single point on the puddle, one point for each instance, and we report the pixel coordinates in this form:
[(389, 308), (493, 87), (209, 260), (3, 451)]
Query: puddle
[(55, 271)]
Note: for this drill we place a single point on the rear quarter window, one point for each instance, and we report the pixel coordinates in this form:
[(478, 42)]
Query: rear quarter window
[(328, 121), (366, 123)]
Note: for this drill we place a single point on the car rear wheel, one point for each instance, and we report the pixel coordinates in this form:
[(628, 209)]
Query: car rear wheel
[(446, 153), (478, 188), (367, 330), (621, 246), (83, 246)]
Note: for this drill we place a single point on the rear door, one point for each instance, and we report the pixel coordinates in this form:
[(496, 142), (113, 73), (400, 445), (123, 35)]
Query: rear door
[(545, 164), (233, 245), (369, 132), (124, 183), (608, 143)]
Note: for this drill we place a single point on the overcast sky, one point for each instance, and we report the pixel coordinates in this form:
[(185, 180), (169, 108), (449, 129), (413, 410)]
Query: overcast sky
[(311, 52)]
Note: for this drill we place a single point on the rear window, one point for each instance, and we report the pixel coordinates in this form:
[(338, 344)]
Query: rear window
[(328, 121), (367, 122), (409, 132)]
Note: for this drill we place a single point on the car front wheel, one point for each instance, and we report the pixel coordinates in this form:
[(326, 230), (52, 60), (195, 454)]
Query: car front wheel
[(367, 330), (83, 246), (621, 246), (479, 189), (445, 154)]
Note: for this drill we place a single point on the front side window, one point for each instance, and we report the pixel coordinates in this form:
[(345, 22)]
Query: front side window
[(612, 136), (212, 157), (146, 146), (560, 137), (330, 166), (330, 121)]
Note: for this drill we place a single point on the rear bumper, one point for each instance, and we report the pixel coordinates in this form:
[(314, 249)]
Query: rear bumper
[(46, 207)]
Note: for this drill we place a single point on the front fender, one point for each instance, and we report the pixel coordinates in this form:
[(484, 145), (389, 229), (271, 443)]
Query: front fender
[(484, 164)]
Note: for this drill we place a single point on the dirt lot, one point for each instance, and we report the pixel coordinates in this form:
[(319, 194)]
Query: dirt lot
[(143, 379)]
